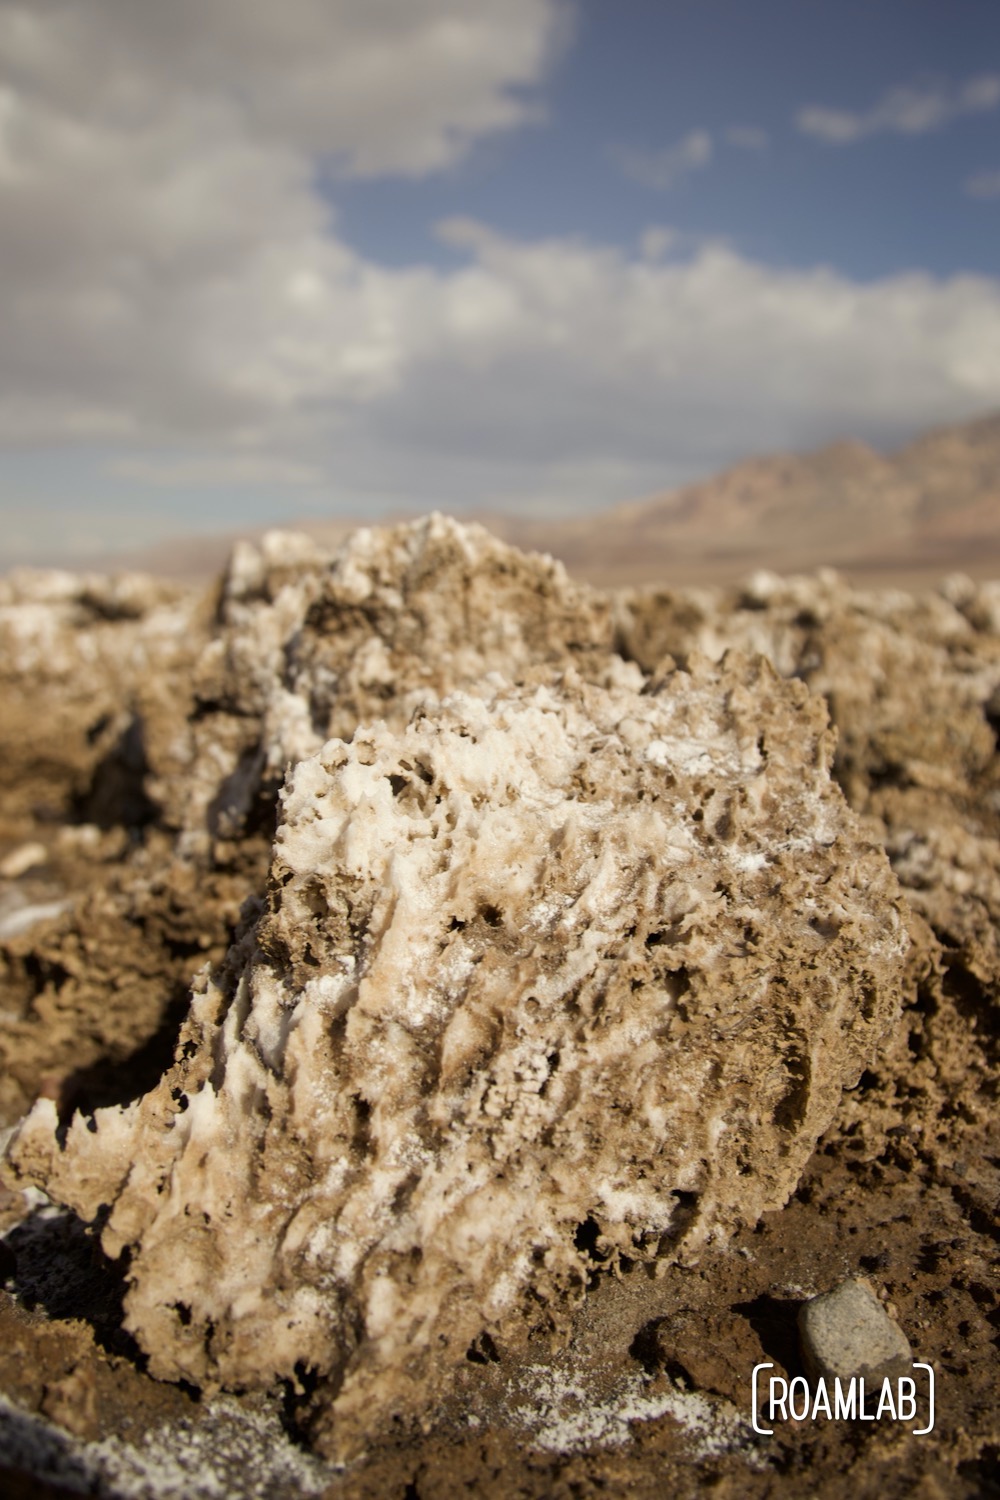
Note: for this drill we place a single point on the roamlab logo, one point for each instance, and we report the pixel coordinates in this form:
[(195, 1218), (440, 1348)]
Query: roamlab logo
[(906, 1399)]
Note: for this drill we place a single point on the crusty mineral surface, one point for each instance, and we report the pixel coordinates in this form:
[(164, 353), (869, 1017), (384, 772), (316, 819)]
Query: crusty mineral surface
[(146, 733), (309, 644), (547, 975), (82, 660), (96, 937), (913, 688)]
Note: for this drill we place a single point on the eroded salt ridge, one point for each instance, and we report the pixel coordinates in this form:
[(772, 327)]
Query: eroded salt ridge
[(547, 957), (309, 644), (147, 733), (913, 687)]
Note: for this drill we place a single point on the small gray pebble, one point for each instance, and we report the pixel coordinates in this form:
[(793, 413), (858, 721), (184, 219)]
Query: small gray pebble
[(847, 1332)]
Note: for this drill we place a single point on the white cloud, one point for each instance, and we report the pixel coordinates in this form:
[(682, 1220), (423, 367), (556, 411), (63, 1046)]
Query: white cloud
[(913, 110), (981, 93), (165, 258), (658, 240), (583, 353), (984, 184), (748, 137), (398, 86), (177, 302), (572, 373), (556, 372), (662, 169)]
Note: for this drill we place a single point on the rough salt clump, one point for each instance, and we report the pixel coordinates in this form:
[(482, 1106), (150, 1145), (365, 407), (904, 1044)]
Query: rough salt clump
[(553, 975), (156, 727), (310, 644), (81, 663), (913, 688)]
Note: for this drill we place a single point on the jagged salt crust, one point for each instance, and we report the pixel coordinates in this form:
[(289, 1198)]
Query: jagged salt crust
[(913, 687), (310, 644), (164, 725), (551, 975)]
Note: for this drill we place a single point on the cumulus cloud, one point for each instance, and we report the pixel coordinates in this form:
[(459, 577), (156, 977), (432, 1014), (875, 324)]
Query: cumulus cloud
[(558, 372), (178, 299), (562, 350), (984, 184), (165, 256), (402, 86), (913, 110), (663, 168)]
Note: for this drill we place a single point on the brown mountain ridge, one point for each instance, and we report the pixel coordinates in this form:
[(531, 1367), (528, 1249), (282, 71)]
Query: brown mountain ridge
[(931, 507)]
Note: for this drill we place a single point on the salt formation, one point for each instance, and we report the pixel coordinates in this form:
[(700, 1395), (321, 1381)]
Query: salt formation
[(913, 687), (309, 644), (82, 659), (147, 733), (549, 975), (96, 936)]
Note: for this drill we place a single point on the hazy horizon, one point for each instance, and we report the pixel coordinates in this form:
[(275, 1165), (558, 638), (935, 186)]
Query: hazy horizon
[(530, 257)]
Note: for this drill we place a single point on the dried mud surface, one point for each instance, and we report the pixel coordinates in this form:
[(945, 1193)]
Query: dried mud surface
[(148, 734)]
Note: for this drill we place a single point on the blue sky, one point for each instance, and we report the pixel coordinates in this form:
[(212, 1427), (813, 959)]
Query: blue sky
[(644, 75), (262, 263)]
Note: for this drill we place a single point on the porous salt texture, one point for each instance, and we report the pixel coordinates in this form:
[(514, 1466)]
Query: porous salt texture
[(81, 663), (548, 956), (913, 687), (309, 644)]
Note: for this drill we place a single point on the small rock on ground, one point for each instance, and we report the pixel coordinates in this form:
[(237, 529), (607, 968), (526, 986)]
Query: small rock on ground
[(847, 1332)]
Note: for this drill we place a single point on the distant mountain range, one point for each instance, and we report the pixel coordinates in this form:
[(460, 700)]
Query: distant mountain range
[(909, 517), (932, 507)]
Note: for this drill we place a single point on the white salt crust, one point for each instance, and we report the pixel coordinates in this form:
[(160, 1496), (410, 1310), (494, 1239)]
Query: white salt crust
[(545, 955), (228, 1452), (309, 644), (565, 1411)]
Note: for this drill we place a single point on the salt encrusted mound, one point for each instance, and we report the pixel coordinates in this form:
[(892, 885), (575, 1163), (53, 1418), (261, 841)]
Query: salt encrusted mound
[(81, 658), (909, 678), (310, 644), (93, 951), (913, 686), (553, 974), (156, 727)]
